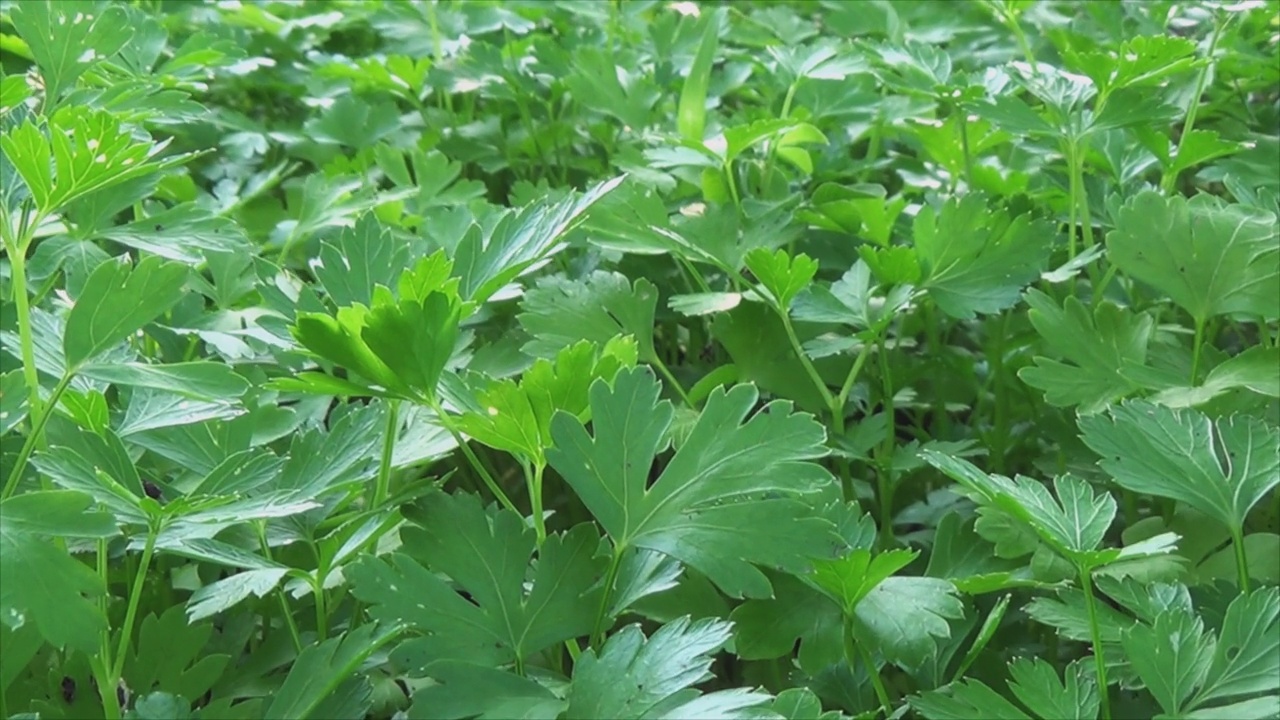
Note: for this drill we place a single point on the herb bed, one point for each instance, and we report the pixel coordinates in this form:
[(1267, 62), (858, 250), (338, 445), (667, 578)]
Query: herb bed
[(371, 359)]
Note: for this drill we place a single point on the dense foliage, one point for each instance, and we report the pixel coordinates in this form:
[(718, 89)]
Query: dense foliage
[(640, 359)]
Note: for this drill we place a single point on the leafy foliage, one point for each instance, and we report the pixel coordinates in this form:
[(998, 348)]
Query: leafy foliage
[(541, 359)]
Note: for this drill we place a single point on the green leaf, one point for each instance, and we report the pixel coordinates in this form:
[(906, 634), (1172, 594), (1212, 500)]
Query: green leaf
[(1210, 258), (228, 592), (965, 700), (978, 260), (40, 582), (850, 578), (202, 380), (1171, 656), (354, 123), (13, 400), (90, 151), (160, 706), (559, 312), (321, 672), (364, 256), (1221, 468), (1033, 682), (691, 112), (635, 677), (154, 409), (594, 83), (403, 346), (474, 691), (1246, 658), (171, 656), (117, 301), (770, 628), (1097, 346), (1074, 524), (727, 475), (67, 38), (516, 417), (1254, 369), (851, 300), (520, 242), (488, 556), (783, 276)]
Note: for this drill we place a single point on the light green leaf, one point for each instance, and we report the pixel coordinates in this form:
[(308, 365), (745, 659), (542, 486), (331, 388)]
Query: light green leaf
[(559, 312), (977, 260), (1097, 346), (41, 583), (13, 400), (488, 555), (783, 276), (364, 256), (1171, 656), (160, 706), (691, 111), (635, 677), (851, 301), (202, 380), (1246, 658), (1254, 369), (726, 476), (1222, 468), (905, 615), (1036, 684), (171, 656), (1208, 257), (68, 37), (1074, 524), (474, 691), (117, 301), (154, 409), (520, 242), (322, 670), (224, 594), (965, 700), (709, 303), (516, 417)]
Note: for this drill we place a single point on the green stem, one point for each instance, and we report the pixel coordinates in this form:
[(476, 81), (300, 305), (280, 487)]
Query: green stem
[(882, 694), (1242, 563), (135, 597), (733, 185), (26, 339), (322, 610), (107, 691), (1095, 632), (837, 417), (535, 499), (285, 610), (1197, 345), (886, 452), (101, 664), (809, 369), (1073, 203), (383, 486), (611, 577), (32, 440), (481, 470), (964, 144), (1001, 445), (670, 378), (1168, 179)]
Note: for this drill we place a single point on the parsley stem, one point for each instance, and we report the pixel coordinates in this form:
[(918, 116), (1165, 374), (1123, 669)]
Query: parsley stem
[(481, 470), (135, 597), (285, 611), (611, 577), (1242, 562), (1197, 345), (37, 431), (534, 479), (102, 662), (837, 418), (809, 369), (1167, 179), (882, 694), (383, 486), (670, 378), (886, 475), (1095, 632), (18, 271)]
